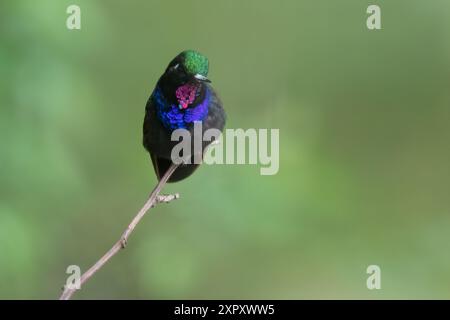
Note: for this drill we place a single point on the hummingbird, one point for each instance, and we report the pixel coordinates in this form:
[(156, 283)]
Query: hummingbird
[(183, 95)]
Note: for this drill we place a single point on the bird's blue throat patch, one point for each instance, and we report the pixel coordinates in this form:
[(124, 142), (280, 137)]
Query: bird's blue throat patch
[(172, 117)]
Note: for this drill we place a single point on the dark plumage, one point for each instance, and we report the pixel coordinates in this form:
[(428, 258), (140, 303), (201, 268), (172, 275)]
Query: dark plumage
[(181, 96)]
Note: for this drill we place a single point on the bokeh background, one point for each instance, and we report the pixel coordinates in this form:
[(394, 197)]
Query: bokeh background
[(364, 150)]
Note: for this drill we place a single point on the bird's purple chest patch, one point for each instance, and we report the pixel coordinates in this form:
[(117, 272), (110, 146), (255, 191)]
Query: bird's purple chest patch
[(186, 95), (180, 116)]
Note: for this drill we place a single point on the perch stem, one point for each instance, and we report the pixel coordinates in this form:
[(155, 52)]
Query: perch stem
[(154, 198)]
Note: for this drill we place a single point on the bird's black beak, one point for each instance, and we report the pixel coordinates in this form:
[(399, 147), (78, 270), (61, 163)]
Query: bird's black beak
[(200, 77)]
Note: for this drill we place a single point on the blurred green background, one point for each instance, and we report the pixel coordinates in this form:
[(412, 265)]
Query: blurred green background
[(364, 150)]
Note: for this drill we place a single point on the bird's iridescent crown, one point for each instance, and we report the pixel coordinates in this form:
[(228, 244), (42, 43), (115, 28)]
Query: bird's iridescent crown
[(195, 62)]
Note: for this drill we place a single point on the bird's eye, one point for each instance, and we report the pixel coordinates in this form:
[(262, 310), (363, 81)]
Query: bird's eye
[(176, 66)]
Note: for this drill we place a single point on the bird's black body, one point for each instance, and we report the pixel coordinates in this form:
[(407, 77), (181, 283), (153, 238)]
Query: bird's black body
[(162, 108)]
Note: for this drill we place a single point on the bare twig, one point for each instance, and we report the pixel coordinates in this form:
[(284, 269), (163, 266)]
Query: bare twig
[(152, 200)]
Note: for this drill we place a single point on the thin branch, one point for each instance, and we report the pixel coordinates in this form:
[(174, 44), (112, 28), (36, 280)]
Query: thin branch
[(152, 200)]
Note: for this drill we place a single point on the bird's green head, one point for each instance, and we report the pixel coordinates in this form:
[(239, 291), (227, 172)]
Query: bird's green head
[(190, 64), (195, 62)]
